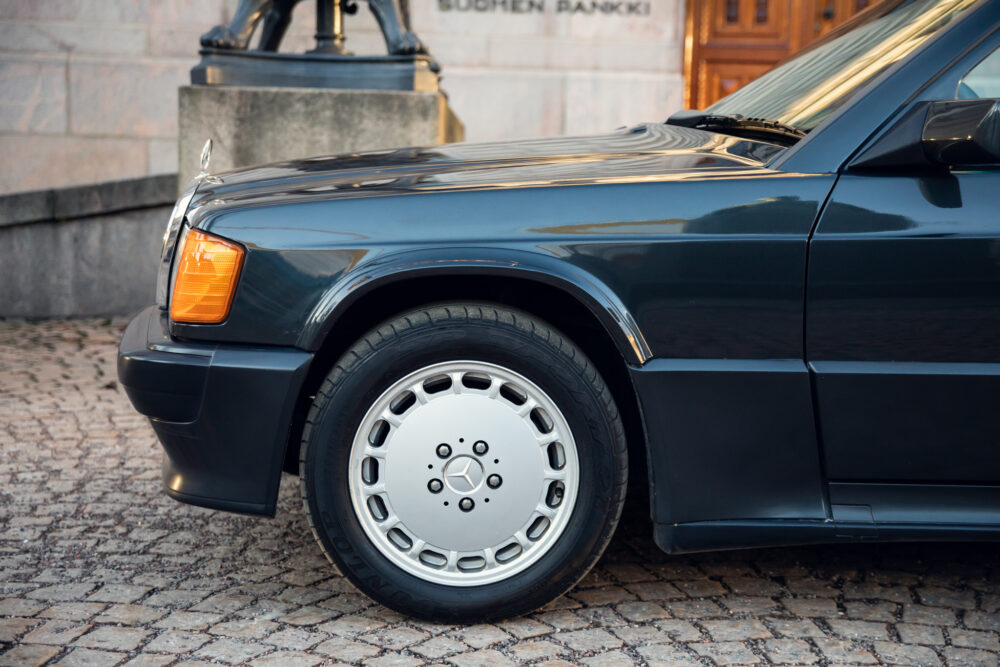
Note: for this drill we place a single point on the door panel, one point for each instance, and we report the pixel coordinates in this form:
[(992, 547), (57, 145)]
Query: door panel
[(903, 328), (910, 422)]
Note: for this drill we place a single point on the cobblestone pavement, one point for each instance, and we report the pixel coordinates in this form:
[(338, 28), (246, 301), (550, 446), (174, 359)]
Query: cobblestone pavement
[(98, 567)]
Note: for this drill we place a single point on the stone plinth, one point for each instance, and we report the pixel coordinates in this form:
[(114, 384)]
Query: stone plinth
[(227, 67), (251, 126)]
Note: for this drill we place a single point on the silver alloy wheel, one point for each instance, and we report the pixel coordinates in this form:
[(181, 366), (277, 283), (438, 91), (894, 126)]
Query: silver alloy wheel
[(463, 473)]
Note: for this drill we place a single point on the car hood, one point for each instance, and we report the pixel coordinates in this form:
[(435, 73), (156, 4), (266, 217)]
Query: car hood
[(642, 153)]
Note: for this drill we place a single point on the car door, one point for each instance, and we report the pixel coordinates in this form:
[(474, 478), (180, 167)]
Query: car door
[(903, 326)]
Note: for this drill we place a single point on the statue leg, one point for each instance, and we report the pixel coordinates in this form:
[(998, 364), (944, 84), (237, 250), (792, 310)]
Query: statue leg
[(237, 34), (404, 14), (275, 24), (393, 18)]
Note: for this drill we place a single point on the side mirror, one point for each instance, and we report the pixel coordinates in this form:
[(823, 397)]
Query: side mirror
[(955, 133)]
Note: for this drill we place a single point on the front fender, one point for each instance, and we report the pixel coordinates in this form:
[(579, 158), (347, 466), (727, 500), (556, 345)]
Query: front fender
[(393, 267)]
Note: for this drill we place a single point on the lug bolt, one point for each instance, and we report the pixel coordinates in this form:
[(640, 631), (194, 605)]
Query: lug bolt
[(443, 450), (480, 447), (494, 481), (466, 504), (435, 486)]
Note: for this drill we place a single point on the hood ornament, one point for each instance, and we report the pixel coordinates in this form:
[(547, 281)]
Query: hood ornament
[(206, 158)]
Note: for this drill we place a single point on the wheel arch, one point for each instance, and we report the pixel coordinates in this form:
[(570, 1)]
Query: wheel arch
[(590, 316), (376, 275)]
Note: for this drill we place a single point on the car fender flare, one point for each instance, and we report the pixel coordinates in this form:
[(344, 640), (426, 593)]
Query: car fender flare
[(597, 297)]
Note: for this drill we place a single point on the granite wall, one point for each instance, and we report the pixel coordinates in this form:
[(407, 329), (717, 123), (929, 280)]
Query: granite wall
[(84, 250), (88, 88)]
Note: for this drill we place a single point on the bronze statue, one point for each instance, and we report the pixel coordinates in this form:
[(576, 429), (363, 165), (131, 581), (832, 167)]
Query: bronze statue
[(228, 60), (393, 17)]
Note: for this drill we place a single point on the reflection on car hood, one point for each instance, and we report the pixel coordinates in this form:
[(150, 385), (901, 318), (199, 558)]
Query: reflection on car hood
[(642, 153)]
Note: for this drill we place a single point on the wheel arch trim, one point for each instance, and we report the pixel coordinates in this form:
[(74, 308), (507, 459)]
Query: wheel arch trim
[(577, 283)]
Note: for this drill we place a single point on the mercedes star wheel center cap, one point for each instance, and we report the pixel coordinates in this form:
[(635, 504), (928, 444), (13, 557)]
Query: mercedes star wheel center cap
[(463, 474)]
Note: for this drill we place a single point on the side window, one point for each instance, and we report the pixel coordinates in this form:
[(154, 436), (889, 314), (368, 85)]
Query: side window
[(983, 80)]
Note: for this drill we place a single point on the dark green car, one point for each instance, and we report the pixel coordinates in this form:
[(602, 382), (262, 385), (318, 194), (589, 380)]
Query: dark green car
[(779, 317)]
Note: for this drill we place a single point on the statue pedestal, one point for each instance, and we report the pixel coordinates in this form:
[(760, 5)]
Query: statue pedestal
[(251, 125), (223, 67)]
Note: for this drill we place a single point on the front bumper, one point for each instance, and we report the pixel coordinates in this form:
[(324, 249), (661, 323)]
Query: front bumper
[(222, 413)]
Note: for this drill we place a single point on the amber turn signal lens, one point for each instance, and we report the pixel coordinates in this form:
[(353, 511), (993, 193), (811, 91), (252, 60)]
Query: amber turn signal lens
[(207, 271)]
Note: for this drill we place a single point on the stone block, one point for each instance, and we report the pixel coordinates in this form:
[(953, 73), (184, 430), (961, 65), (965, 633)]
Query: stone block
[(790, 651), (226, 67), (726, 653), (936, 596), (88, 657), (34, 93), (53, 10), (231, 651), (905, 654), (175, 41), (99, 266), (855, 630), (643, 55), (68, 37), (601, 102), (526, 52), (552, 53), (590, 639), (113, 197), (257, 125), (162, 156), (963, 657), (25, 655), (203, 13), (458, 50), (196, 12), (41, 162), (507, 104), (113, 638), (112, 98), (178, 641), (663, 654), (428, 16), (25, 207), (663, 22), (736, 630)]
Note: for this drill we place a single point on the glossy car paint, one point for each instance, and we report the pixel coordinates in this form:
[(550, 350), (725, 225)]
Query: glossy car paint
[(782, 322), (555, 207), (692, 250)]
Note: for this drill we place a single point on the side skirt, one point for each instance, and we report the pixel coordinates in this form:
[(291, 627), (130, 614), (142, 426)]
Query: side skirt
[(728, 535), (861, 512)]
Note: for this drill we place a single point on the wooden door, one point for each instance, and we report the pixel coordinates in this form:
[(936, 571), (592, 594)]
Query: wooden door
[(731, 42)]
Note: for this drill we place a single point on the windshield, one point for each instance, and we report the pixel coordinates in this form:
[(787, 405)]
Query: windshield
[(804, 90)]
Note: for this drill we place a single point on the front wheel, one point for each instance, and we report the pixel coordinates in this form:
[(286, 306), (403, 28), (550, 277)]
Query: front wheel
[(464, 463)]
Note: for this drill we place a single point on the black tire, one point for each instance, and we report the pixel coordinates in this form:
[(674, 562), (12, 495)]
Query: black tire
[(449, 332)]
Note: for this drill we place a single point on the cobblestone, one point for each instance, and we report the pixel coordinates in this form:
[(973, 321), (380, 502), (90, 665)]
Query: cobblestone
[(98, 567)]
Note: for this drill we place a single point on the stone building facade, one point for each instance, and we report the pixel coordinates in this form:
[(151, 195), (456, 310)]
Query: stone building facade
[(88, 88)]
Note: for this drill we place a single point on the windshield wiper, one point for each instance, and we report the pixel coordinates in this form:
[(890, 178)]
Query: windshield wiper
[(752, 128)]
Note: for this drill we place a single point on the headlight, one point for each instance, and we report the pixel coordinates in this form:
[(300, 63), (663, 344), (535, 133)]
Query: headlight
[(170, 242)]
